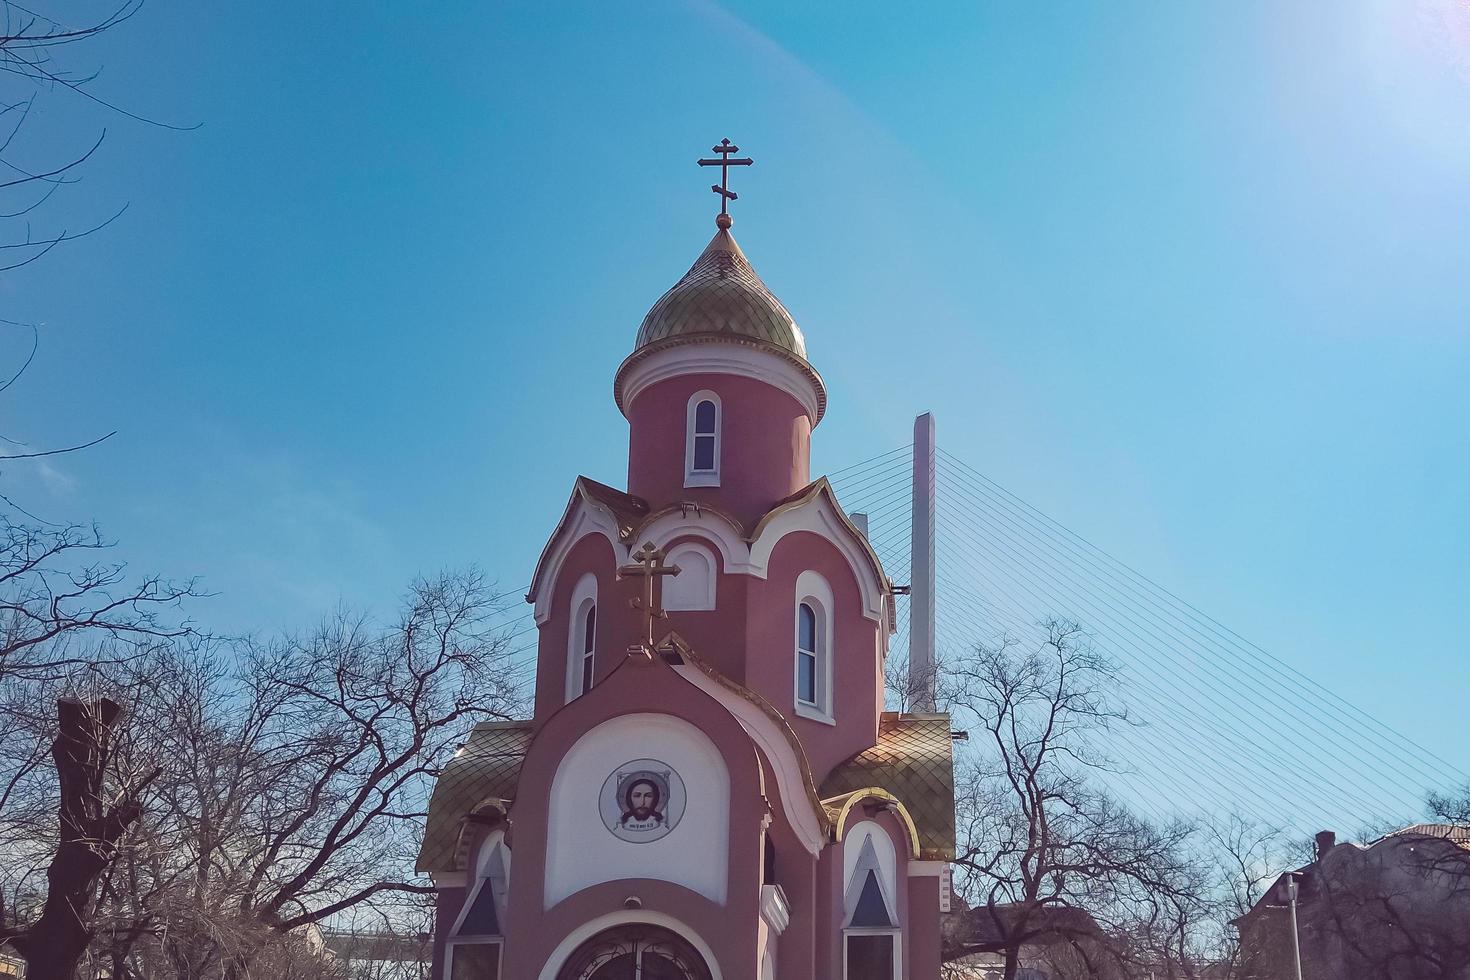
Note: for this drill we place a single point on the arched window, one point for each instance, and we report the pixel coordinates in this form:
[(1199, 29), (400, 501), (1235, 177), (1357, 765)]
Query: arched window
[(870, 932), (474, 946), (702, 444), (636, 950), (589, 639), (806, 655), (582, 638), (813, 661)]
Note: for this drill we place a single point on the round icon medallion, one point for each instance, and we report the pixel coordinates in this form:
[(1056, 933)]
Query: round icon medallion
[(642, 801)]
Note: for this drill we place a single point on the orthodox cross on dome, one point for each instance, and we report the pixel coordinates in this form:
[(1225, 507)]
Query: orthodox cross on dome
[(648, 564), (723, 187)]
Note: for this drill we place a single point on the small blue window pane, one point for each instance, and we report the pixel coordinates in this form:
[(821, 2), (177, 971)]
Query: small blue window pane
[(807, 636), (871, 911), (704, 453), (806, 678), (481, 919), (704, 418)]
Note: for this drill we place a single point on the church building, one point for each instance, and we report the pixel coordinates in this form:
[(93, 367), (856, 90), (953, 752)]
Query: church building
[(709, 787)]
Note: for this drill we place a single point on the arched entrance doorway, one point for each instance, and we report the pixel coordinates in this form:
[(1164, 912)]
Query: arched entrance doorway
[(635, 952)]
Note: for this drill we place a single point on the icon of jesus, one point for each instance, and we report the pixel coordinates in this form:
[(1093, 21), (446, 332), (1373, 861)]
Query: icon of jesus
[(643, 804)]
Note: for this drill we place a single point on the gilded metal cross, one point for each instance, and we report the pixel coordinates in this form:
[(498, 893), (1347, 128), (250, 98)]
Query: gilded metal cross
[(649, 566), (723, 187)]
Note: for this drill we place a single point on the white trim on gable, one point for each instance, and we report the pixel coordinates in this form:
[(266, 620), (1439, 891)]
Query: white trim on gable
[(587, 519), (737, 556), (772, 741), (821, 518)]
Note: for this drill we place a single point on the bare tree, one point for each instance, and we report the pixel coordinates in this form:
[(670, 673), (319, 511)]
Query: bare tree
[(1037, 838), (295, 781), (94, 816), (68, 615), (60, 598)]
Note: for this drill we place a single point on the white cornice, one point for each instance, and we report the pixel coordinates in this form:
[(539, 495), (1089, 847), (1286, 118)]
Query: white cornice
[(774, 908), (732, 359)]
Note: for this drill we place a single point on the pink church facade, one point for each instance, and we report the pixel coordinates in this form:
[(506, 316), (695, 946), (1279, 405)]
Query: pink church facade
[(732, 803)]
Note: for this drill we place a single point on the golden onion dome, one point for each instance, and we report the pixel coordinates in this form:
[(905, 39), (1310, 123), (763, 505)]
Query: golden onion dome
[(721, 295), (721, 300)]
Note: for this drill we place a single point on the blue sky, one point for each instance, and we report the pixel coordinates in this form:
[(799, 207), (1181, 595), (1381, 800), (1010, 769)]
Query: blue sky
[(1190, 278)]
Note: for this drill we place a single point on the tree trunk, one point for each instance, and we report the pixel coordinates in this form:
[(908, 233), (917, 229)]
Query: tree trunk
[(1013, 962), (56, 942)]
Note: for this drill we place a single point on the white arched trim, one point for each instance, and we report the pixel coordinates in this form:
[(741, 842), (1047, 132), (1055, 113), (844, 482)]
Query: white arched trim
[(868, 850), (708, 476), (868, 847), (789, 770), (813, 592), (711, 528), (732, 359), (820, 515), (584, 597), (622, 917), (693, 589), (817, 512), (494, 842), (583, 518)]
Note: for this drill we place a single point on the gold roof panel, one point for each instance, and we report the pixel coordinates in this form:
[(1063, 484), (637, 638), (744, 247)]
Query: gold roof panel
[(913, 760), (722, 295)]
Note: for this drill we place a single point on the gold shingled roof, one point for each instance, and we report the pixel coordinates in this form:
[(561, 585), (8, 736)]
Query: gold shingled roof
[(721, 294), (487, 768), (914, 761)]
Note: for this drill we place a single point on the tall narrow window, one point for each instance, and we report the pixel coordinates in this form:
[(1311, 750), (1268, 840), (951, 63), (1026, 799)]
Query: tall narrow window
[(702, 445), (582, 637), (870, 934), (704, 437), (813, 662), (589, 639), (473, 950), (806, 655)]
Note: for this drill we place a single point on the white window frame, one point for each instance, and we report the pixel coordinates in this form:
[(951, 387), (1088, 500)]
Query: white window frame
[(710, 477), (897, 935), (813, 590), (583, 596), (487, 849)]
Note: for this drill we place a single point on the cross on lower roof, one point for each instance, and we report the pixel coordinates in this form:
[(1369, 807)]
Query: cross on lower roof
[(648, 564), (723, 187)]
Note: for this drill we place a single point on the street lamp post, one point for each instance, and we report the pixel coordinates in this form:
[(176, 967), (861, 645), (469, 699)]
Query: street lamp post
[(1296, 943)]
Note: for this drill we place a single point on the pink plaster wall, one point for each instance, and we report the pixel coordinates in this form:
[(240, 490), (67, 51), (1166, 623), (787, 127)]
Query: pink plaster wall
[(922, 945), (749, 637), (617, 624), (636, 685), (918, 922), (770, 638), (765, 444)]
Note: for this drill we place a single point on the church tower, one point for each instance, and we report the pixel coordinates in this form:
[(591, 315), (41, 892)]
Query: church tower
[(708, 788)]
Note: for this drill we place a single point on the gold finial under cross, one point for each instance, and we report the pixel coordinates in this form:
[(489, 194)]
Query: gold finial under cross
[(723, 187), (649, 566)]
